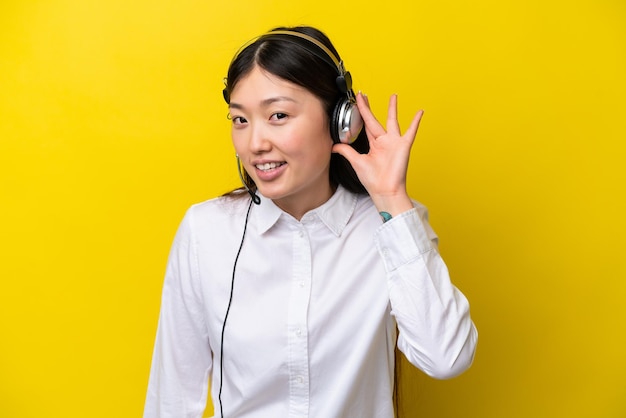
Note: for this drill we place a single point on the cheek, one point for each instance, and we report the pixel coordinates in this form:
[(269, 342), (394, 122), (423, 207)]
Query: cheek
[(316, 135), (312, 147), (238, 141), (316, 153)]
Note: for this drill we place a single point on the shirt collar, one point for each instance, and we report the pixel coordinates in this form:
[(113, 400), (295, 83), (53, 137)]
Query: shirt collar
[(334, 213)]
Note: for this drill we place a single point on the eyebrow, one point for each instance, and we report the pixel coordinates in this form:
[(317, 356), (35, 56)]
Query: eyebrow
[(265, 103)]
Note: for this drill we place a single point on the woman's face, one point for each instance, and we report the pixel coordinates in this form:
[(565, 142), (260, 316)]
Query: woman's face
[(280, 132)]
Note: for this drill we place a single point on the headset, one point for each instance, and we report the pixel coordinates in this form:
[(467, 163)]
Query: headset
[(346, 121)]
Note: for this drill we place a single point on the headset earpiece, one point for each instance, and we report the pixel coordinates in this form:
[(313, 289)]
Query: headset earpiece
[(346, 122), (225, 92)]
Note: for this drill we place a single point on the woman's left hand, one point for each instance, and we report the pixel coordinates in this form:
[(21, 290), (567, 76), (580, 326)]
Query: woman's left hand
[(383, 170)]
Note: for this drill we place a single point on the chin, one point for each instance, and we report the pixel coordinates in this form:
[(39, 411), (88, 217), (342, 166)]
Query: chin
[(272, 194)]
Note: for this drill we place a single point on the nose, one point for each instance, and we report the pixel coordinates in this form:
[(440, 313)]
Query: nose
[(259, 141)]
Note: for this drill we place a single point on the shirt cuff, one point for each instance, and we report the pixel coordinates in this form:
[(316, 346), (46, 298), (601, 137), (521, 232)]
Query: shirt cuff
[(402, 239)]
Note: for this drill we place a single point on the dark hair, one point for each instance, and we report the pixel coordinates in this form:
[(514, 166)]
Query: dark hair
[(292, 60)]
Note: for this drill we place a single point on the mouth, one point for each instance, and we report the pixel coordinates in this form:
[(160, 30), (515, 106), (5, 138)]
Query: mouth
[(266, 167)]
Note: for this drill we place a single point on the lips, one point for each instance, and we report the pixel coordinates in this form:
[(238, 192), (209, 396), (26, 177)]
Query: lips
[(270, 170), (265, 167)]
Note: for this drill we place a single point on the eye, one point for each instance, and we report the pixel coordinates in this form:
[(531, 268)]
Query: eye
[(238, 120), (278, 116)]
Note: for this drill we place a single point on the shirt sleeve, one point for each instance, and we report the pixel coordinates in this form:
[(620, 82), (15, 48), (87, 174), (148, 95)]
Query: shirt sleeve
[(435, 330), (182, 361)]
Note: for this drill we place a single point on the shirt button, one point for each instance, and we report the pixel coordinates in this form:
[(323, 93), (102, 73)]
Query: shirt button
[(299, 332), (302, 283), (300, 379), (301, 234)]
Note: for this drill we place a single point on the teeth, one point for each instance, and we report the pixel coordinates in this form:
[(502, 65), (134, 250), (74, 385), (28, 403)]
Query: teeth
[(268, 166)]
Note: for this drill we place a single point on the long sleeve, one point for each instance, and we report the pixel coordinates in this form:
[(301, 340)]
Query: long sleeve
[(436, 333), (182, 361)]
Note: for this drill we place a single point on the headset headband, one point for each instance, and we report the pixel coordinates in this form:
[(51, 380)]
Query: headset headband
[(338, 64), (328, 54)]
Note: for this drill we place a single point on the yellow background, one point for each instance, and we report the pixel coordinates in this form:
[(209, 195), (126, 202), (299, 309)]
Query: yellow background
[(112, 124)]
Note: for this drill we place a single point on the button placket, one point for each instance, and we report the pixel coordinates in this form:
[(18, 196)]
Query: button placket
[(297, 322)]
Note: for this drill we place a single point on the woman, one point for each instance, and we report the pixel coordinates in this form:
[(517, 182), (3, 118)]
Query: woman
[(291, 299)]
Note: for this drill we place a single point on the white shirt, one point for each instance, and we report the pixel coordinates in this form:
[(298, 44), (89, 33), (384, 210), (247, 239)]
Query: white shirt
[(312, 327)]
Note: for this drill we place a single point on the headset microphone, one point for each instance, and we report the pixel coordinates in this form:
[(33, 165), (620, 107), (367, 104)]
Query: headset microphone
[(255, 198)]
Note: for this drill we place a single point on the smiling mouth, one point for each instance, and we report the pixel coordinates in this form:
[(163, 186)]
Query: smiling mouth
[(269, 166)]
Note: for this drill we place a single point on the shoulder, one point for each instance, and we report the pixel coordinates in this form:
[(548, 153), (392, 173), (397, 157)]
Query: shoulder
[(222, 206), (217, 213)]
